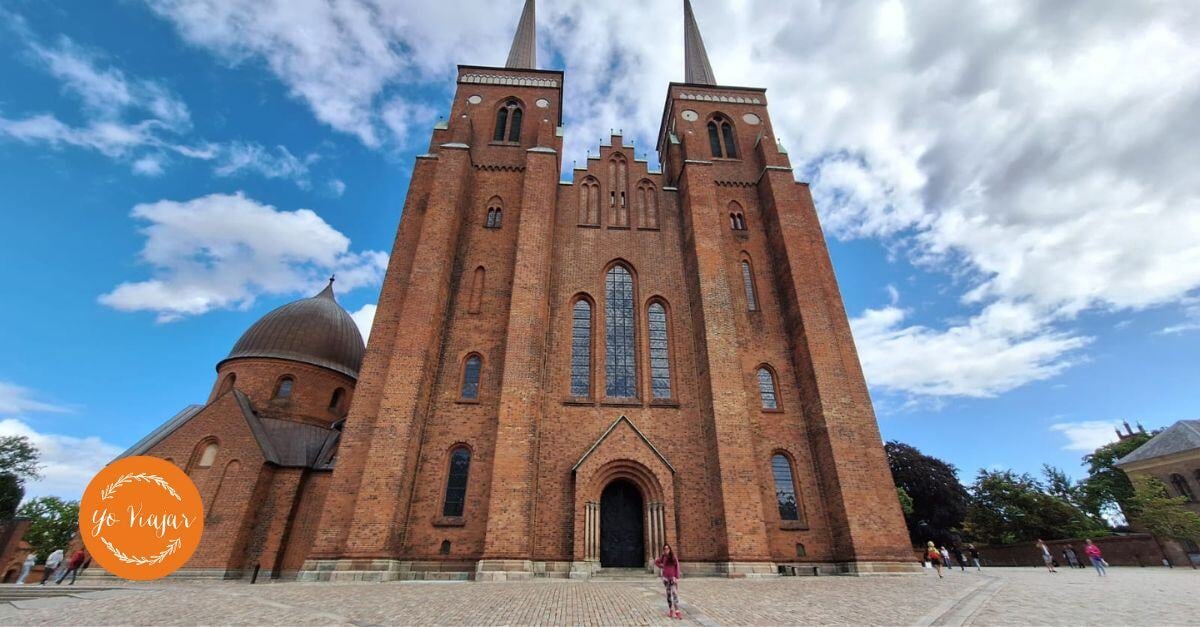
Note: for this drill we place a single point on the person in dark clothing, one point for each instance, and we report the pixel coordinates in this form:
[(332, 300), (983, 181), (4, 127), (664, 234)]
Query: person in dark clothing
[(670, 576), (974, 556), (958, 557)]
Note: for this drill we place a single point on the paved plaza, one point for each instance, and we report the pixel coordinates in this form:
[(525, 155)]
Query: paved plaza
[(1018, 596)]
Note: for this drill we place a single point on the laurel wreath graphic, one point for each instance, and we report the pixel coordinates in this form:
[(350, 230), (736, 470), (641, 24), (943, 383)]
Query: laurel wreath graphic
[(173, 546), (107, 492)]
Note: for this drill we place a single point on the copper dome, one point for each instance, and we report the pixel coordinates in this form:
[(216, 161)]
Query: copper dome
[(312, 330)]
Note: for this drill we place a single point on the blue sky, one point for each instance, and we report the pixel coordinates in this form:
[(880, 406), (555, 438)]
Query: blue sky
[(1015, 227)]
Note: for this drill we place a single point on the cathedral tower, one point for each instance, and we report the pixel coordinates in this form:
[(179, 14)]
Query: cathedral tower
[(567, 372)]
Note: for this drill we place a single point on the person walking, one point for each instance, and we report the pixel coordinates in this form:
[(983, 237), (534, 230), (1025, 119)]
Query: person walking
[(669, 565), (1046, 556), (72, 568), (945, 557), (1093, 553), (934, 557), (52, 561), (958, 557), (1071, 556), (30, 562), (975, 557)]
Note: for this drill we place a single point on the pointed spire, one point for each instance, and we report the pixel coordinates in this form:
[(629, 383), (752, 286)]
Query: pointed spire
[(328, 291), (697, 70), (523, 54)]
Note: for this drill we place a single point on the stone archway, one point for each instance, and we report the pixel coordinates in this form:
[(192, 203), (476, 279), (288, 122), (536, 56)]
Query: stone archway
[(622, 526)]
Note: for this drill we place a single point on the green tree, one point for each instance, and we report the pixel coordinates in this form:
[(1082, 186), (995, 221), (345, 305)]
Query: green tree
[(19, 457), (11, 493), (53, 522), (906, 503), (1107, 490), (939, 501), (1161, 514), (1007, 507)]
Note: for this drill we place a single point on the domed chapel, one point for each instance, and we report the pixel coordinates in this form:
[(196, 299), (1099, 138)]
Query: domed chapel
[(565, 372)]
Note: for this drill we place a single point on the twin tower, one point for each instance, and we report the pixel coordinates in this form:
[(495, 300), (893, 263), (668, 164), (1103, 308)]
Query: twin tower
[(564, 375)]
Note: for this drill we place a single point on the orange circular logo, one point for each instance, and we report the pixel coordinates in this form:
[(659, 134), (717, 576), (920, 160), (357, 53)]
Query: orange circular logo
[(141, 518)]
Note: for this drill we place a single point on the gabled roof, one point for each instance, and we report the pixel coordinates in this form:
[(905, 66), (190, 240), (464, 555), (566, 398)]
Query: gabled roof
[(284, 443), (1177, 438), (605, 435)]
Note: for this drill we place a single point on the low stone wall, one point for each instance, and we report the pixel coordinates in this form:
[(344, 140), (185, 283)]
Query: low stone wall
[(1138, 549)]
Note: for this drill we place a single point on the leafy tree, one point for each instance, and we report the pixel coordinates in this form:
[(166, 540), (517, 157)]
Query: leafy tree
[(1161, 514), (53, 522), (1107, 490), (1008, 507), (19, 457), (939, 501), (11, 493), (906, 503)]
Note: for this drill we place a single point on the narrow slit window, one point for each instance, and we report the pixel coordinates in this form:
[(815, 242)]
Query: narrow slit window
[(766, 389), (581, 349), (470, 380), (660, 358), (730, 145), (456, 483), (748, 284), (714, 139)]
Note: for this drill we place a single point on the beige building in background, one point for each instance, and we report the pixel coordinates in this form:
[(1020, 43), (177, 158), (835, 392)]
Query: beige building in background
[(1173, 457)]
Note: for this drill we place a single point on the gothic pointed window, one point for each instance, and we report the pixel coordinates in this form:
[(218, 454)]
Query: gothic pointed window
[(748, 286), (660, 357), (620, 366), (714, 139), (508, 122), (767, 394), (581, 349), (456, 482), (785, 488), (470, 378), (730, 144)]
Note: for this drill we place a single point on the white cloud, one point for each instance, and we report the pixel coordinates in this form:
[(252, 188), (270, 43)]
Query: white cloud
[(1042, 161), (1191, 321), (364, 317), (238, 157), (15, 399), (222, 251), (68, 462), (1087, 435), (1001, 349), (337, 187), (149, 165)]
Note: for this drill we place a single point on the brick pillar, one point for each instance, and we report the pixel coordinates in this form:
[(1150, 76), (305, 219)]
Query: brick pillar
[(739, 492), (386, 476), (509, 541), (856, 483)]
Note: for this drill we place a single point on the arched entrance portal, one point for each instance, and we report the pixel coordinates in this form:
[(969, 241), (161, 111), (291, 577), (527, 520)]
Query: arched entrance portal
[(622, 543)]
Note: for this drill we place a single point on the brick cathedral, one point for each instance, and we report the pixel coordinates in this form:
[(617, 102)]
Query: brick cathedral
[(565, 372)]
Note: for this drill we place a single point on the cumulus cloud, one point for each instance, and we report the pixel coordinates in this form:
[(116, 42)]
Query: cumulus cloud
[(1087, 435), (1041, 160), (222, 251), (1003, 348), (68, 462), (364, 317), (15, 399)]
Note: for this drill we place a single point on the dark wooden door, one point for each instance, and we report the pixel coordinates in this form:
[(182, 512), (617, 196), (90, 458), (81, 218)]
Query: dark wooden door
[(621, 541)]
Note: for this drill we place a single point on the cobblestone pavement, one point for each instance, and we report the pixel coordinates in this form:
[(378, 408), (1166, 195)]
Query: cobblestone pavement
[(1132, 596)]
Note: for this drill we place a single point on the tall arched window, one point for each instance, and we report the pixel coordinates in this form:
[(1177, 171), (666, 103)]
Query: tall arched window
[(660, 357), (766, 389), (748, 285), (335, 401), (477, 283), (283, 389), (589, 201), (785, 488), (620, 367), (1181, 485), (209, 455), (721, 139), (508, 122), (495, 213), (456, 482), (581, 349), (470, 377)]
